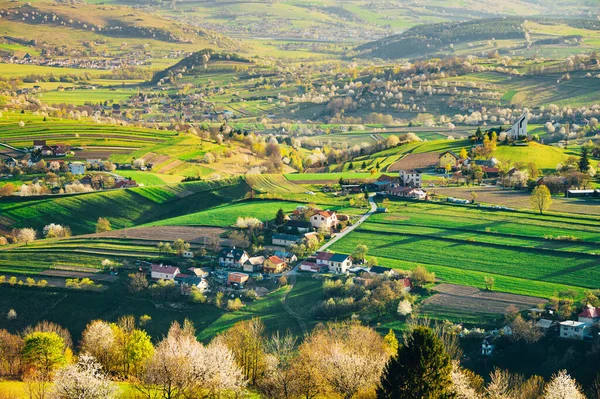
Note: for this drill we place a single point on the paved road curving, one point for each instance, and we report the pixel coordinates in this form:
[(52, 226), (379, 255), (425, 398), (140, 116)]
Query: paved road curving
[(294, 272)]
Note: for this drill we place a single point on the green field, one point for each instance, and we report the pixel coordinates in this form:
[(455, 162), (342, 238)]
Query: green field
[(124, 208), (462, 245), (227, 214)]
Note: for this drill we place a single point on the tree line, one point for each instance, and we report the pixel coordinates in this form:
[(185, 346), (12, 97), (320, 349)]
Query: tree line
[(336, 360)]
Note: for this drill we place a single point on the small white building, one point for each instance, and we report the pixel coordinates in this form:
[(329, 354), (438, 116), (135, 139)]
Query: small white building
[(77, 168), (410, 178), (188, 254), (327, 219), (487, 348), (164, 272), (571, 329)]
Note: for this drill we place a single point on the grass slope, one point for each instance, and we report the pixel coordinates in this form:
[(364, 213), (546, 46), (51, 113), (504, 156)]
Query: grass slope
[(124, 208)]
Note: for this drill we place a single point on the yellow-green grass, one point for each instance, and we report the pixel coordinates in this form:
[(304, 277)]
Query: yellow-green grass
[(544, 156), (150, 178), (12, 70), (463, 245), (85, 96), (274, 184)]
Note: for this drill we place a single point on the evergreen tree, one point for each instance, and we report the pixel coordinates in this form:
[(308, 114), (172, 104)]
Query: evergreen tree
[(479, 134), (350, 166), (584, 162), (421, 370), (280, 217)]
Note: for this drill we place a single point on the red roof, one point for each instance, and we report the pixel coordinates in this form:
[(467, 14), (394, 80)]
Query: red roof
[(164, 269), (488, 169), (326, 214), (407, 282), (591, 313), (276, 260)]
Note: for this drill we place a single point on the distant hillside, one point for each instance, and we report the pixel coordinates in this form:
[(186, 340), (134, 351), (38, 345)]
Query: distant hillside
[(441, 38), (201, 59), (428, 39), (107, 20)]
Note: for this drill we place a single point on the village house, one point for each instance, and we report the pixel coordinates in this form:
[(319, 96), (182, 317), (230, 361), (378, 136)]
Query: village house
[(546, 324), (198, 272), (571, 329), (326, 219), (590, 315), (448, 158), (274, 264), (46, 151), (289, 257), (187, 254), (39, 144), (187, 282), (406, 192), (297, 226), (410, 178), (254, 264), (77, 168), (310, 266), (237, 279), (337, 263), (163, 272), (233, 257), (285, 240), (382, 270), (487, 347)]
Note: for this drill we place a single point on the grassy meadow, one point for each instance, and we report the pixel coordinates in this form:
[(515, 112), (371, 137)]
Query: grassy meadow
[(462, 245)]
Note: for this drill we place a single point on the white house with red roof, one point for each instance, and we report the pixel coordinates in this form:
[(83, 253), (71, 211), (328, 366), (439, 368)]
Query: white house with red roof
[(589, 315), (327, 219), (164, 272)]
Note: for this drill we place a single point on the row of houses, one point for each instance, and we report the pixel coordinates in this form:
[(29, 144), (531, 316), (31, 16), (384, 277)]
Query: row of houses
[(40, 148), (579, 329), (406, 185), (321, 261), (236, 258), (195, 277)]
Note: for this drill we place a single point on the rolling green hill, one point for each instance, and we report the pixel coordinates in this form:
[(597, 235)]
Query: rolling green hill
[(124, 208)]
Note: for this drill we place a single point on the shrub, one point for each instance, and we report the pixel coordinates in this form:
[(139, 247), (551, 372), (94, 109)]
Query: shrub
[(233, 305)]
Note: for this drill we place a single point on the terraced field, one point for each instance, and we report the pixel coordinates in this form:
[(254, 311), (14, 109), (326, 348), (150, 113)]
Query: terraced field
[(274, 184), (463, 245)]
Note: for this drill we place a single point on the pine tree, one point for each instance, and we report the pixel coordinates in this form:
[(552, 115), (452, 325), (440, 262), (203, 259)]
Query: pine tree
[(421, 370), (280, 217), (584, 162)]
